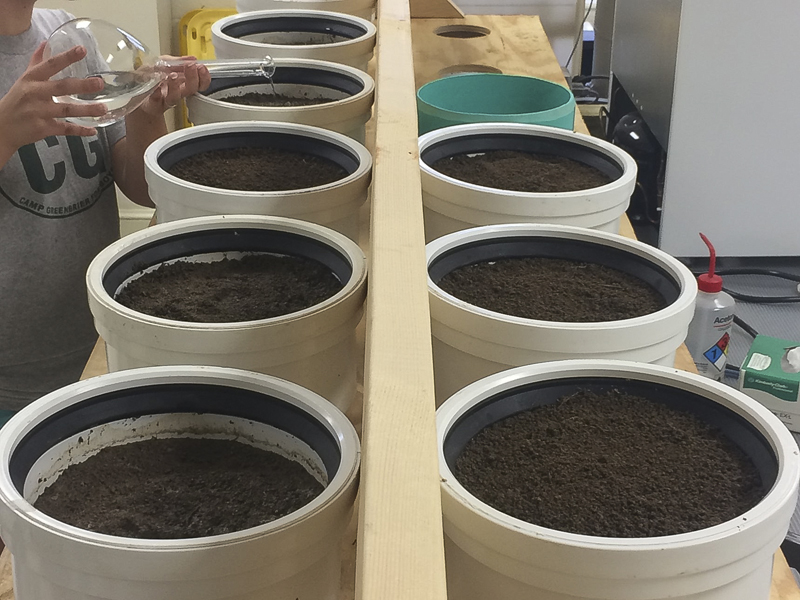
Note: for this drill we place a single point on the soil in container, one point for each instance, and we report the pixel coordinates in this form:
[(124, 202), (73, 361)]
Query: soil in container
[(610, 464), (298, 38), (178, 488), (256, 169), (262, 99), (553, 289), (522, 171), (258, 286)]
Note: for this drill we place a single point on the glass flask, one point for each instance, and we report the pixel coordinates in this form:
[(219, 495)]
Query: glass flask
[(130, 72)]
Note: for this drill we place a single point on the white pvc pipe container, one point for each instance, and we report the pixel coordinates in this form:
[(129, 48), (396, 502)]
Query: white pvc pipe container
[(350, 90), (452, 205), (492, 555), (360, 8), (296, 556), (335, 205), (315, 347), (275, 33), (470, 342)]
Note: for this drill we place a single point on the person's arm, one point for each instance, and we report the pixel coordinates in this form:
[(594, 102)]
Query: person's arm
[(146, 124), (28, 112)]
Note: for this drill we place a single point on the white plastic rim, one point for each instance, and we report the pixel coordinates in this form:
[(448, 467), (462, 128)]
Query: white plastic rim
[(729, 561), (348, 114), (452, 205), (354, 52), (314, 347), (470, 342), (56, 561), (360, 8), (335, 205)]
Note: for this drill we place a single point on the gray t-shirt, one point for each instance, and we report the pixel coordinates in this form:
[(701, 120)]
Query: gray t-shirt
[(57, 211)]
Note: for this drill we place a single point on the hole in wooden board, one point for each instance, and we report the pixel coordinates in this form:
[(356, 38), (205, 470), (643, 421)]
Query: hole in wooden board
[(455, 69), (461, 31)]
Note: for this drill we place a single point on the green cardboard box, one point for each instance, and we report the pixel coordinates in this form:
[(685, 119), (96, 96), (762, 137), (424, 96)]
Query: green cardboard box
[(771, 375)]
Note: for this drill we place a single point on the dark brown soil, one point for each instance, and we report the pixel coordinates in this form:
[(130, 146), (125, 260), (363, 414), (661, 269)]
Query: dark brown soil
[(522, 171), (553, 289), (228, 291), (257, 169), (262, 99), (315, 39), (299, 38), (612, 465), (178, 488)]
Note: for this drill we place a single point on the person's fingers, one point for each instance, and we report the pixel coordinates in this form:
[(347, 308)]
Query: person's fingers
[(71, 86), (173, 93), (170, 57), (177, 64), (204, 78), (38, 55), (191, 80), (46, 69), (156, 103), (62, 110), (160, 93), (67, 128)]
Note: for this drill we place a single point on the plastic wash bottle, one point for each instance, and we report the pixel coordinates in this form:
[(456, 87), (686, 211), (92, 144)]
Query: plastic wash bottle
[(709, 332)]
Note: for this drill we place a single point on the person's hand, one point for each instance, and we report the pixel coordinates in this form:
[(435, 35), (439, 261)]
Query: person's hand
[(28, 112), (182, 81)]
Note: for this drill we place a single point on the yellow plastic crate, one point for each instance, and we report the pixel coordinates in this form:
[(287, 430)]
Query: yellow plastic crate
[(194, 36)]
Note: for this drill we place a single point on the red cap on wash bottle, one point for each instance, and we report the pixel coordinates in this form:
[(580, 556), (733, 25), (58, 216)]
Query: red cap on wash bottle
[(710, 282)]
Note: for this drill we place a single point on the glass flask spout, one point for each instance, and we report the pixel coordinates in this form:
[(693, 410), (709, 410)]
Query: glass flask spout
[(264, 67)]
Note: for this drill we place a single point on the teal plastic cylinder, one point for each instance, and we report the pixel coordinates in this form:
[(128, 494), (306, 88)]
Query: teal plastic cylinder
[(493, 97)]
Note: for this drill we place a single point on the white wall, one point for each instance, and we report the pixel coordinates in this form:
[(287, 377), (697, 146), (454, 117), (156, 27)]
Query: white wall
[(148, 20)]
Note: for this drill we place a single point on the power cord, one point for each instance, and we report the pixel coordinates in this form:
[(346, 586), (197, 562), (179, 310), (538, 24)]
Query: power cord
[(588, 78), (748, 329), (745, 326), (579, 35), (767, 273), (763, 273), (581, 86)]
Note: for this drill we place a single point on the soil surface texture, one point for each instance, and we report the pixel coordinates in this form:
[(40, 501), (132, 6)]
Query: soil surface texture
[(612, 465), (316, 39), (257, 169), (522, 171), (299, 38), (262, 99), (178, 488), (258, 286), (553, 289)]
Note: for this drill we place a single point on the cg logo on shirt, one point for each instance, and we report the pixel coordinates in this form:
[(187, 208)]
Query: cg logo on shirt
[(45, 180)]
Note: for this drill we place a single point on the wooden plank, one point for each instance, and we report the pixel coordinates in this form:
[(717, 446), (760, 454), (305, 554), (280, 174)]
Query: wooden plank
[(433, 9), (784, 586), (97, 364), (515, 44), (400, 547), (6, 581)]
